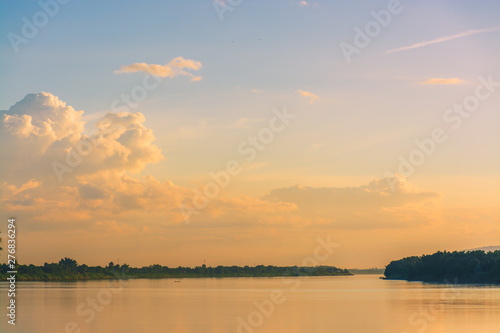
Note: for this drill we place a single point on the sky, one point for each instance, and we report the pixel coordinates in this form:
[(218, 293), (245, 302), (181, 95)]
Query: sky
[(248, 132)]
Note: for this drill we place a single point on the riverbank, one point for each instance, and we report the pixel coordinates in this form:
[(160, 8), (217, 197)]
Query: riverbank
[(68, 270), (459, 267)]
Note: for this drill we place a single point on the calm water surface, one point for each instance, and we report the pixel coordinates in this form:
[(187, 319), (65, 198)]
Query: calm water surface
[(358, 304)]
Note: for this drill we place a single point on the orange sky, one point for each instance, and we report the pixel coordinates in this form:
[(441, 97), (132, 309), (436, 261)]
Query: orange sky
[(173, 135)]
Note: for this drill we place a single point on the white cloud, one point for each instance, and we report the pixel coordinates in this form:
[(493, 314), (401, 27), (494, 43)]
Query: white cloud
[(42, 130), (49, 119)]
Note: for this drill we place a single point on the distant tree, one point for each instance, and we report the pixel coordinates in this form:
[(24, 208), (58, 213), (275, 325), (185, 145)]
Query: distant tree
[(68, 265), (68, 269), (83, 269), (460, 266), (125, 268), (68, 262)]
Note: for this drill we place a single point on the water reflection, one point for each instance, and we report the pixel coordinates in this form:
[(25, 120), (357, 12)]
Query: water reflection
[(356, 304)]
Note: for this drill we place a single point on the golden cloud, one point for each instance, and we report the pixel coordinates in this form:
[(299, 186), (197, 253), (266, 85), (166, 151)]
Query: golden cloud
[(312, 97), (443, 81), (174, 68), (101, 202)]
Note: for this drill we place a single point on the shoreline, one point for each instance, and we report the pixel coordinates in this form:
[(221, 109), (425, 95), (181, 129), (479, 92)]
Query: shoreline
[(165, 277), (455, 283)]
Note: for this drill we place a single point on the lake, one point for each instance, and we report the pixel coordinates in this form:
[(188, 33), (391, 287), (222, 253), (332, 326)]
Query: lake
[(345, 304)]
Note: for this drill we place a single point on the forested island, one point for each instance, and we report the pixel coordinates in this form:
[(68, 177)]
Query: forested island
[(448, 267), (68, 269)]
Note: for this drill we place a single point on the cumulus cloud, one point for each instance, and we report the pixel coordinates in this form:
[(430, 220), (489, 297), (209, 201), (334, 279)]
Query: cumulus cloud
[(245, 212), (106, 196), (91, 192), (443, 81), (46, 141), (48, 163), (122, 143), (58, 175), (381, 203), (312, 97), (49, 120), (176, 67)]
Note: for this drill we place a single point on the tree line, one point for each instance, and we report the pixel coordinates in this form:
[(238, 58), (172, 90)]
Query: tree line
[(68, 269), (453, 267)]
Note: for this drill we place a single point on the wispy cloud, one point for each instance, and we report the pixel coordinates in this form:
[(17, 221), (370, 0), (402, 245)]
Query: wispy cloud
[(443, 39), (257, 91), (312, 97), (443, 81), (175, 67)]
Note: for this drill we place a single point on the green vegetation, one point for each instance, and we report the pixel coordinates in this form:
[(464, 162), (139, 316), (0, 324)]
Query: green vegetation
[(366, 271), (457, 267), (68, 269)]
